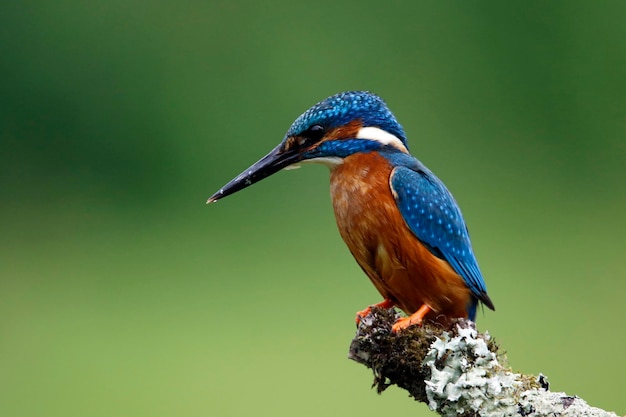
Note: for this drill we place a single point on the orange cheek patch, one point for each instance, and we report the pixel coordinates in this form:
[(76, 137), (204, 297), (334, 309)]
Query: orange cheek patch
[(347, 131)]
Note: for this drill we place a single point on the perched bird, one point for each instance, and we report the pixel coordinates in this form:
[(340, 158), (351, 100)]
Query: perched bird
[(398, 219)]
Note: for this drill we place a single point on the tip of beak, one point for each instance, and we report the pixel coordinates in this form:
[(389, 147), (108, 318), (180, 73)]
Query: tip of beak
[(215, 197)]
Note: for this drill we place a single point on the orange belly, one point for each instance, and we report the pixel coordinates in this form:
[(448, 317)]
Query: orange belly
[(399, 265)]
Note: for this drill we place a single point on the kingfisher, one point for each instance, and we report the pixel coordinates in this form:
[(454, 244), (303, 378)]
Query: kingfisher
[(398, 219)]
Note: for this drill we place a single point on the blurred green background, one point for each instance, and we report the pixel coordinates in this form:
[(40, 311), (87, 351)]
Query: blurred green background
[(122, 294)]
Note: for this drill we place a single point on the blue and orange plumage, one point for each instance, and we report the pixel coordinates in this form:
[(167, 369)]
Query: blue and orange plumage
[(399, 221)]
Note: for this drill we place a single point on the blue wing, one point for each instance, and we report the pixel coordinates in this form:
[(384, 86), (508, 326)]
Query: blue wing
[(433, 216)]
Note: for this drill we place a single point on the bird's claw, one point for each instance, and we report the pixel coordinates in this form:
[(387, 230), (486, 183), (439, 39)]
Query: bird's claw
[(405, 322), (360, 315), (415, 318)]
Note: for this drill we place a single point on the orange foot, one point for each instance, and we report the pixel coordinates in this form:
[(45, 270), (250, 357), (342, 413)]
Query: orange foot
[(386, 303), (415, 318)]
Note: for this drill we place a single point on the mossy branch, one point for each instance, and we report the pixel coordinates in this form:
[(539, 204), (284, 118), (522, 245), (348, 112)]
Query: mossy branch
[(456, 371)]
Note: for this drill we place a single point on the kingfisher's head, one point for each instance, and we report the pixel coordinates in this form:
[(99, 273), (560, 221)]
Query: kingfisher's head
[(327, 133)]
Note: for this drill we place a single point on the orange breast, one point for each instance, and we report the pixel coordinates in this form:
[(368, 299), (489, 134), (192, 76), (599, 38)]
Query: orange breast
[(399, 265)]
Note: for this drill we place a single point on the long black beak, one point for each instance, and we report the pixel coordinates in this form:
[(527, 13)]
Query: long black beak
[(271, 163)]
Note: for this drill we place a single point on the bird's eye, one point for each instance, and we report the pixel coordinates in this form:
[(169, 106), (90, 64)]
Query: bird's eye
[(309, 137), (314, 133)]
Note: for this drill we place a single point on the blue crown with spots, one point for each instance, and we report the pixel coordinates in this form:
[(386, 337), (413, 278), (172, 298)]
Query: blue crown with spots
[(343, 108)]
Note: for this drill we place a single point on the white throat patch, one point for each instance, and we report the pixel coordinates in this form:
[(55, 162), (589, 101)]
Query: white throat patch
[(330, 161), (379, 135)]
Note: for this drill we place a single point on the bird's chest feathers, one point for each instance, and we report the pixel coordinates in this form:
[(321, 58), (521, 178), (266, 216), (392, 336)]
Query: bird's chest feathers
[(362, 199)]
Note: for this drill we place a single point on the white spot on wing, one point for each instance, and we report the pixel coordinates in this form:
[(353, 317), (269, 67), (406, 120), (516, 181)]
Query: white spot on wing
[(379, 135)]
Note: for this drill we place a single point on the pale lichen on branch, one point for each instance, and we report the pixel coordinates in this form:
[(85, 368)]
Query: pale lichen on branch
[(456, 370)]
